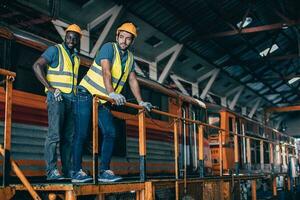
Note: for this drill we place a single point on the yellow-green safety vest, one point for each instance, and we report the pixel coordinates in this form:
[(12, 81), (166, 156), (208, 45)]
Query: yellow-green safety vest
[(93, 80), (64, 75)]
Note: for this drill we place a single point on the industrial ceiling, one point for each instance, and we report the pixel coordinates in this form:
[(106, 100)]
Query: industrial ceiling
[(243, 54)]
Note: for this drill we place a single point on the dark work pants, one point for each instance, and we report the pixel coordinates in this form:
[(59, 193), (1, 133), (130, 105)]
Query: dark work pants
[(60, 132), (83, 113)]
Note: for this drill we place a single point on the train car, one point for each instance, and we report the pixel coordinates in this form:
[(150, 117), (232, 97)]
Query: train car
[(29, 117), (260, 148)]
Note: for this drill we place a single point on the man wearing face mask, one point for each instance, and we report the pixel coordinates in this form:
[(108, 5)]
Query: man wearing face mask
[(57, 70), (112, 67)]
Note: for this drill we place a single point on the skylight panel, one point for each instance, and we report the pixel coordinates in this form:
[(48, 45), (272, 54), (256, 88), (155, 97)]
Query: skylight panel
[(265, 52)]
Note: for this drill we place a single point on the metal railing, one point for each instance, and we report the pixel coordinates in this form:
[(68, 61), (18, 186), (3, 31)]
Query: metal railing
[(5, 150), (142, 140)]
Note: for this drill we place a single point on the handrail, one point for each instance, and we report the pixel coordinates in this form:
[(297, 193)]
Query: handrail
[(142, 138), (132, 105), (7, 73), (6, 149), (261, 140), (9, 78)]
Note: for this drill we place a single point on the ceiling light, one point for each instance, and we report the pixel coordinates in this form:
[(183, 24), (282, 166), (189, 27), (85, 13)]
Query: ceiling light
[(247, 21), (293, 80), (267, 50), (285, 26)]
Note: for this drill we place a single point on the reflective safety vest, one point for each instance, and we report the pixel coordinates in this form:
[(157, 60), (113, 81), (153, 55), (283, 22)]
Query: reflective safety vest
[(93, 80), (64, 75)]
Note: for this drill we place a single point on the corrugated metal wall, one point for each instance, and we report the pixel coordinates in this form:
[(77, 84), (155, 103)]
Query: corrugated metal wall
[(28, 144)]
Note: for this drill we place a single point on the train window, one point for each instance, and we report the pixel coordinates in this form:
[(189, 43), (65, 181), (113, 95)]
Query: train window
[(261, 131), (266, 153), (231, 124), (199, 112), (249, 127), (214, 119)]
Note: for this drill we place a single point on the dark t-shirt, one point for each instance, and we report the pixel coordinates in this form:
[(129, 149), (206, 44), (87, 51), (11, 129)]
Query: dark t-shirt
[(51, 55)]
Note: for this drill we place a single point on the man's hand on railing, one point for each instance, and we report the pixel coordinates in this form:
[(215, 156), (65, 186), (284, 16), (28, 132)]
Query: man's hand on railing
[(119, 99), (147, 105)]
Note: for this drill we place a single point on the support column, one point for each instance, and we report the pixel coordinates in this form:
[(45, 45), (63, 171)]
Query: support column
[(288, 183), (149, 191), (261, 144), (222, 189), (7, 130), (221, 152), (248, 155), (95, 140), (138, 195), (200, 152), (100, 197), (253, 189), (280, 157), (70, 195), (176, 158), (271, 157), (236, 151), (52, 196), (142, 145), (274, 183)]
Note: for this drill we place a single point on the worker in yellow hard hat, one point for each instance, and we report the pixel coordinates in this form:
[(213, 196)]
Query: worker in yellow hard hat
[(113, 65), (57, 70)]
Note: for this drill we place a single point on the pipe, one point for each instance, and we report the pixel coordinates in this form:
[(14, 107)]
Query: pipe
[(194, 157), (184, 148)]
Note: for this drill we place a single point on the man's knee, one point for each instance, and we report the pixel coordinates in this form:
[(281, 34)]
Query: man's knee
[(54, 138), (111, 133)]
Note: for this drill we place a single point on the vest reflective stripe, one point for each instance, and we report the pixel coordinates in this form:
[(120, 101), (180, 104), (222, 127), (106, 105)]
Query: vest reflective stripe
[(62, 76), (95, 85), (93, 80), (99, 71), (58, 84), (61, 73)]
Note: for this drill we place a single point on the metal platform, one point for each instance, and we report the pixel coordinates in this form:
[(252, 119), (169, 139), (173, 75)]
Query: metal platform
[(142, 190)]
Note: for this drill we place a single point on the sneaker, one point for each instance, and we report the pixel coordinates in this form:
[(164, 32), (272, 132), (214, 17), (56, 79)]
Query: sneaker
[(54, 175), (108, 176), (81, 177)]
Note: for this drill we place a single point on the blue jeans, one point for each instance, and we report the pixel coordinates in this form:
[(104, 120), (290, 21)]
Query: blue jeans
[(83, 113), (60, 132)]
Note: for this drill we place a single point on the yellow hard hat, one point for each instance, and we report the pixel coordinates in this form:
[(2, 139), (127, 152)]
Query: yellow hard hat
[(75, 28), (128, 27)]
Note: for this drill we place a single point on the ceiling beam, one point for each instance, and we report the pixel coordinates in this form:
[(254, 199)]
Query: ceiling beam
[(209, 84), (207, 61), (175, 50), (256, 29), (284, 109), (206, 75), (250, 46), (43, 19), (254, 108), (112, 14), (178, 84), (236, 97)]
